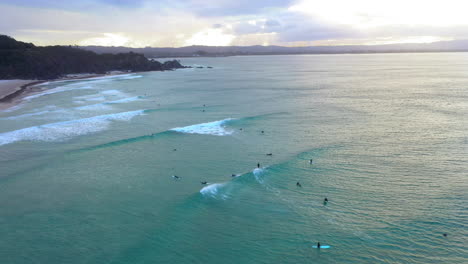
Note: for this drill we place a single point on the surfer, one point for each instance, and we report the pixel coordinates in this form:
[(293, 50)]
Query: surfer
[(263, 131), (174, 149), (258, 165), (318, 244), (325, 201), (240, 128), (175, 177), (445, 235), (204, 182), (298, 184), (269, 154), (310, 161)]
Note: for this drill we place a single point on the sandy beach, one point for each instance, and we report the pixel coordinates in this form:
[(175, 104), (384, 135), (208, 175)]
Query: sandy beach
[(12, 91), (8, 87)]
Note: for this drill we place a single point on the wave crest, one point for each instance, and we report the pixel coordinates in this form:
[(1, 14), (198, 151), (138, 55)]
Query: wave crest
[(64, 130), (215, 128)]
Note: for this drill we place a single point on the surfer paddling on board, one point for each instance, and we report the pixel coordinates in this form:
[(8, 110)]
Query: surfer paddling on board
[(258, 165), (298, 184)]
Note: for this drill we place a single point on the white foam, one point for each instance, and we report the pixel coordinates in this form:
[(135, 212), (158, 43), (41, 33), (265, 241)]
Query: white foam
[(14, 108), (82, 84), (113, 93), (57, 90), (94, 107), (95, 79), (215, 128), (65, 130), (101, 96), (213, 190), (26, 115), (258, 173), (125, 100), (106, 105)]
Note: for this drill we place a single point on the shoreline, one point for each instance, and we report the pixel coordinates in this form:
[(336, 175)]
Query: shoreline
[(18, 92)]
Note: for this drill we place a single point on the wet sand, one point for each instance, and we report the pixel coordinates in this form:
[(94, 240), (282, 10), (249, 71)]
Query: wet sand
[(8, 87), (12, 91)]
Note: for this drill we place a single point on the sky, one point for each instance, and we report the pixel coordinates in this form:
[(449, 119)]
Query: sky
[(176, 23)]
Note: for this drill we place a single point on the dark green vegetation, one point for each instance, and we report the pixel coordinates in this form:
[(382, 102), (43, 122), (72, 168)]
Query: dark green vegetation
[(19, 60)]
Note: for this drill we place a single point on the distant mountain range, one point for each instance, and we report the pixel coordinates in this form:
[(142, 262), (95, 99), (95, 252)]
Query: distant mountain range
[(190, 51)]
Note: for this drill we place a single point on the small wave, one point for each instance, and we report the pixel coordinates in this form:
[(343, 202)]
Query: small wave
[(57, 90), (95, 79), (27, 115), (258, 173), (94, 107), (64, 130), (101, 96), (134, 139), (106, 105), (113, 93), (215, 128), (125, 100), (81, 84), (214, 190)]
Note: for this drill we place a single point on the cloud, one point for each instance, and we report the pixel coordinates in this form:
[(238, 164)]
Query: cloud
[(216, 8), (210, 37), (225, 22)]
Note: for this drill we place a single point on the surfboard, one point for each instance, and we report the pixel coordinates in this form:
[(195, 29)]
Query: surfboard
[(322, 246)]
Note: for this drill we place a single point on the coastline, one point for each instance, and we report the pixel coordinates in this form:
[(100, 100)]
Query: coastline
[(15, 90)]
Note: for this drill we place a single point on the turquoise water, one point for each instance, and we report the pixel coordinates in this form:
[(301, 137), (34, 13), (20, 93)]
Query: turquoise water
[(86, 166)]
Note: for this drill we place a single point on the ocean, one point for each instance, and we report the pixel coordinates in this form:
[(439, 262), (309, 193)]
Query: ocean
[(87, 166)]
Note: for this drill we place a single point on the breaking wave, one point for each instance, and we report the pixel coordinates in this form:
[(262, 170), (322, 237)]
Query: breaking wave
[(215, 128), (65, 130), (214, 190)]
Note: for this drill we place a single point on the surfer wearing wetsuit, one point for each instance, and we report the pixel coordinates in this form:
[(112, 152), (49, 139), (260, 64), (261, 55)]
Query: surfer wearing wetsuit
[(298, 184), (204, 182), (258, 165), (310, 161), (318, 244)]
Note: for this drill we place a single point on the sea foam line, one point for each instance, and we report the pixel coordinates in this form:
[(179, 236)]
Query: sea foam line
[(81, 85), (91, 107), (215, 128), (94, 79), (61, 131)]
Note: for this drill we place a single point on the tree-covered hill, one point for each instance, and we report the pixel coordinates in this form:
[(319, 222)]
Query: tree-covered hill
[(19, 60)]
